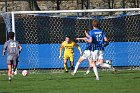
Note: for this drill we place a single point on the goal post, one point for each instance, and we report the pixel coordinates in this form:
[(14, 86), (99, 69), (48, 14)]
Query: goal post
[(42, 32)]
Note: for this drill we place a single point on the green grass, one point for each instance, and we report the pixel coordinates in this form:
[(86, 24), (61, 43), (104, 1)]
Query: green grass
[(120, 82)]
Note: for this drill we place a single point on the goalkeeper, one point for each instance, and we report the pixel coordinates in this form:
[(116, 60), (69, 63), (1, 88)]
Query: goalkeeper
[(69, 45)]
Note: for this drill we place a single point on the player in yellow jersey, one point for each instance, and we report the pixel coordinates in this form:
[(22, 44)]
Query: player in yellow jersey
[(68, 45)]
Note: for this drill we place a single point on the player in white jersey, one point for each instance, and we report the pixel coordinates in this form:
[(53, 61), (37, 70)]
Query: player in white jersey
[(87, 55), (13, 48)]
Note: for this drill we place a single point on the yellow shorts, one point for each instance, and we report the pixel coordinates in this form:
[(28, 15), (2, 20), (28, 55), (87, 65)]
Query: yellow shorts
[(69, 56)]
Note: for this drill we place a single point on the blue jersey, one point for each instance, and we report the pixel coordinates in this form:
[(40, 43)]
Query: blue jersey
[(98, 39), (88, 45)]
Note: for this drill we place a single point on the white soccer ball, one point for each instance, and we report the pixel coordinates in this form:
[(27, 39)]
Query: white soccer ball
[(108, 62), (24, 73)]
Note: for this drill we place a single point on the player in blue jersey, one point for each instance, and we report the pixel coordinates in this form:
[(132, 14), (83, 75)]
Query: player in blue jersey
[(87, 54), (99, 41), (13, 48)]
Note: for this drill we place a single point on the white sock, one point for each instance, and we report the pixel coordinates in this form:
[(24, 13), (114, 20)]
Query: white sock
[(76, 67), (98, 64), (96, 72), (88, 70), (106, 65)]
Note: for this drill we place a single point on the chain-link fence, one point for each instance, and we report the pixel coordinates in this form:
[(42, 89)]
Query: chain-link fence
[(41, 35)]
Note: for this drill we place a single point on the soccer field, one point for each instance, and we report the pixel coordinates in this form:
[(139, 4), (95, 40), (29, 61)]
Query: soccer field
[(119, 82)]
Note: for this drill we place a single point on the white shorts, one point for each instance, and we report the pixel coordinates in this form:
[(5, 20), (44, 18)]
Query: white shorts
[(87, 54), (97, 55), (100, 54)]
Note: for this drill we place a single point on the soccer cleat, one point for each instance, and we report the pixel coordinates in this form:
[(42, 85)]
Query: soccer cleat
[(85, 74), (113, 70), (9, 78), (12, 72), (66, 71), (72, 74), (15, 73), (97, 78), (88, 71), (72, 68)]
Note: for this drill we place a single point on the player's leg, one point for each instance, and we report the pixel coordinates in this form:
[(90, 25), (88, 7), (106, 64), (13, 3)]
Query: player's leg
[(15, 64), (81, 59), (89, 68), (95, 70), (65, 65), (66, 57), (95, 54), (72, 61), (85, 55), (9, 70), (101, 60), (10, 66)]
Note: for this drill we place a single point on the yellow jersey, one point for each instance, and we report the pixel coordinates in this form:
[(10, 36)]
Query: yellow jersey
[(69, 47)]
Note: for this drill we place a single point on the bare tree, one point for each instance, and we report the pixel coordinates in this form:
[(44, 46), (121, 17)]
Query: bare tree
[(58, 2), (33, 5), (134, 3), (138, 3), (110, 3)]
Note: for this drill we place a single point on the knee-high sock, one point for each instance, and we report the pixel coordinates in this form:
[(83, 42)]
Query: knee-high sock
[(95, 72), (65, 67), (105, 65), (88, 70), (76, 67)]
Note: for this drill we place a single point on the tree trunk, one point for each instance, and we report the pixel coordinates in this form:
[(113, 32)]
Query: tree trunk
[(123, 3), (33, 5), (58, 4), (138, 4), (112, 3), (109, 6), (36, 7)]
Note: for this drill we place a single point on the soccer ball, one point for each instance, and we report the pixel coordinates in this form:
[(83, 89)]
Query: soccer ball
[(24, 73), (108, 62)]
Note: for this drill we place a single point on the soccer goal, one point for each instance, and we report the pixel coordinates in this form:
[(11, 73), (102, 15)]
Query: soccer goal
[(42, 32)]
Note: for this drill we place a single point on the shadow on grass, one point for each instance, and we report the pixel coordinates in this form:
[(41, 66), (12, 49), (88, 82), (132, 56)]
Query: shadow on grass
[(126, 72), (80, 77), (136, 78), (4, 92)]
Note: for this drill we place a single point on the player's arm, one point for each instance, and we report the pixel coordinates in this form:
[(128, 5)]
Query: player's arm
[(61, 48), (84, 38), (105, 40), (79, 48), (89, 40), (89, 37), (4, 49), (20, 47)]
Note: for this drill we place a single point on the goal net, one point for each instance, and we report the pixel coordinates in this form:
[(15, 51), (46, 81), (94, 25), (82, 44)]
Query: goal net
[(42, 32)]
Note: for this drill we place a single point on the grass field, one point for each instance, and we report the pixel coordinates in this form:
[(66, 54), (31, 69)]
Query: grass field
[(119, 82)]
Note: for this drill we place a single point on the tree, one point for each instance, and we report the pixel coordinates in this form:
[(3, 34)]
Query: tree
[(33, 5), (110, 3)]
